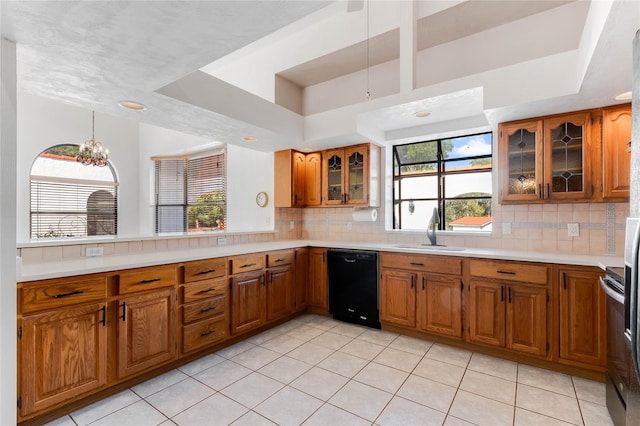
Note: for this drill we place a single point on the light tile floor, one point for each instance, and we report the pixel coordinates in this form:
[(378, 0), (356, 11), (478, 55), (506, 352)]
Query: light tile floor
[(317, 371)]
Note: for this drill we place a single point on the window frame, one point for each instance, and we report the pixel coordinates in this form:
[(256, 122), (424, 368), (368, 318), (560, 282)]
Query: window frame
[(440, 172)]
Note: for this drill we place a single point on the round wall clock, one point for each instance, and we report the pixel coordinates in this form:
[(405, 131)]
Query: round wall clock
[(262, 199)]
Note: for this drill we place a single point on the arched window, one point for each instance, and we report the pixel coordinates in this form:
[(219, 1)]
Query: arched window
[(69, 199)]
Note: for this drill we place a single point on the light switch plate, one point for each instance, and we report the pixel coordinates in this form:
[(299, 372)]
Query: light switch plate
[(506, 228), (222, 241), (292, 225), (573, 229), (94, 251)]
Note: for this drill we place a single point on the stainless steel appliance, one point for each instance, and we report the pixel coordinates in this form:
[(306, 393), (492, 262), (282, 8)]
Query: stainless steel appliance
[(353, 286)]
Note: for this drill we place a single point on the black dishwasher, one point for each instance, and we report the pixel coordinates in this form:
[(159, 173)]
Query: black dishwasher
[(353, 286)]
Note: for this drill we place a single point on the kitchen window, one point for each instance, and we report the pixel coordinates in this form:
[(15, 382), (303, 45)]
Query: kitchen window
[(69, 199), (452, 175), (191, 193)]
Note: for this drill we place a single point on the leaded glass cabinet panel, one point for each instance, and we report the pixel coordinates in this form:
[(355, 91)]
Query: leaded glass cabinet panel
[(521, 161), (333, 187), (357, 177)]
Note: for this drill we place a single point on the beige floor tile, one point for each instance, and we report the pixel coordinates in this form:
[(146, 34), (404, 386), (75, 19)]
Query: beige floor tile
[(450, 355), (284, 369), (382, 377), (289, 406), (362, 349), (305, 332), (595, 414), (310, 353), (588, 390), (265, 336), (104, 407), (331, 340), (400, 411), (158, 383), (427, 392), (343, 364), (481, 411), (253, 419), (252, 389), (233, 350), (282, 344), (548, 403), (138, 413), (324, 323), (379, 337), (439, 371), (215, 410), (222, 375), (334, 416), (362, 400), (180, 396), (529, 418), (62, 421), (320, 383), (255, 358), (494, 366), (349, 330), (396, 358), (454, 421), (409, 344), (489, 386), (545, 379), (201, 364)]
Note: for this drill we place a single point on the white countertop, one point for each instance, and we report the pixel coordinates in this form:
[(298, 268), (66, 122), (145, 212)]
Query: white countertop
[(88, 265)]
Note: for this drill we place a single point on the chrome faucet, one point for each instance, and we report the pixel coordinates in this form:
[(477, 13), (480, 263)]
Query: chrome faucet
[(432, 226)]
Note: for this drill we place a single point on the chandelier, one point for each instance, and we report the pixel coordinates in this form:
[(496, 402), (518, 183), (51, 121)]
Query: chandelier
[(91, 151)]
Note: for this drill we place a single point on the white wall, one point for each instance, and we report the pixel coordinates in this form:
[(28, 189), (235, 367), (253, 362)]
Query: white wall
[(43, 123)]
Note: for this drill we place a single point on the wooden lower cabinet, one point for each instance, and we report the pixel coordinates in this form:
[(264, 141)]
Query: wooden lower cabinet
[(398, 297), (440, 305), (64, 356), (582, 316), (318, 281), (247, 301), (301, 278), (146, 331), (280, 292), (508, 315)]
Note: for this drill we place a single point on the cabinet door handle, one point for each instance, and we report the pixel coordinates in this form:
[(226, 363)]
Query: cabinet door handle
[(150, 280), (416, 263), (502, 293), (505, 272), (564, 280), (206, 290), (124, 311), (540, 194), (208, 271), (270, 277), (509, 293), (412, 279), (423, 283), (247, 265), (210, 308), (71, 293), (206, 333), (104, 315), (548, 190), (262, 280)]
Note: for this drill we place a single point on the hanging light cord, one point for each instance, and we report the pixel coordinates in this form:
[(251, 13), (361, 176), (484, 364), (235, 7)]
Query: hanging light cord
[(368, 94)]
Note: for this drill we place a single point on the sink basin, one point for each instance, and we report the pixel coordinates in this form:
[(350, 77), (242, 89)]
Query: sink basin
[(429, 247)]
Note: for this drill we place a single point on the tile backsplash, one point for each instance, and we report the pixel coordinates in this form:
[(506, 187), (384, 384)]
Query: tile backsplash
[(535, 227)]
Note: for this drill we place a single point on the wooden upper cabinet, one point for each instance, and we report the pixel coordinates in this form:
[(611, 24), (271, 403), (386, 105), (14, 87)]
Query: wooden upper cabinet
[(616, 152), (546, 159), (297, 179), (333, 177), (350, 176)]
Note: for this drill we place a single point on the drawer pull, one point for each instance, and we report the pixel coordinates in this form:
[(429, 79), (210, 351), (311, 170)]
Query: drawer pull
[(208, 271), (247, 265), (151, 280), (281, 259), (206, 333), (104, 315), (505, 272), (210, 308), (416, 263), (206, 290), (72, 293), (124, 311)]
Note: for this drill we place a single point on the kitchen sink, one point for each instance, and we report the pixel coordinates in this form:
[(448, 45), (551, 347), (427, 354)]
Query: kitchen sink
[(429, 247)]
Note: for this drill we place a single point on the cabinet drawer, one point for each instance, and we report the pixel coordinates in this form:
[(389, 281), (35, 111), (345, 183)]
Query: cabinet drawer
[(212, 307), (278, 258), (147, 278), (252, 262), (424, 263), (204, 289), (204, 269), (202, 334), (60, 293), (527, 273)]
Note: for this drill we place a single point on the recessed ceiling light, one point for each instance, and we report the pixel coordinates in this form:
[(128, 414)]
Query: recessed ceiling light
[(135, 106), (626, 96), (421, 114), (249, 139)]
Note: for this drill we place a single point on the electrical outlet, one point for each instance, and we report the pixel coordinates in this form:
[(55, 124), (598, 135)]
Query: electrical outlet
[(349, 226), (573, 229), (94, 251), (222, 241), (292, 225), (506, 228)]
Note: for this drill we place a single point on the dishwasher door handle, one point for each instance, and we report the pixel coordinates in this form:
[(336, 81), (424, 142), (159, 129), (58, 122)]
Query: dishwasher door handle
[(346, 259)]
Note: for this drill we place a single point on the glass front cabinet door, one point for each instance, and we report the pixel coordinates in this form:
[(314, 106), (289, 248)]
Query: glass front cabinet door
[(346, 176), (333, 176)]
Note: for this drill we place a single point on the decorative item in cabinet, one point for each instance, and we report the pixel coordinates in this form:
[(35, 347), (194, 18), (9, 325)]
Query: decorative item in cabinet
[(204, 304), (351, 176), (297, 179), (616, 152), (546, 159)]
